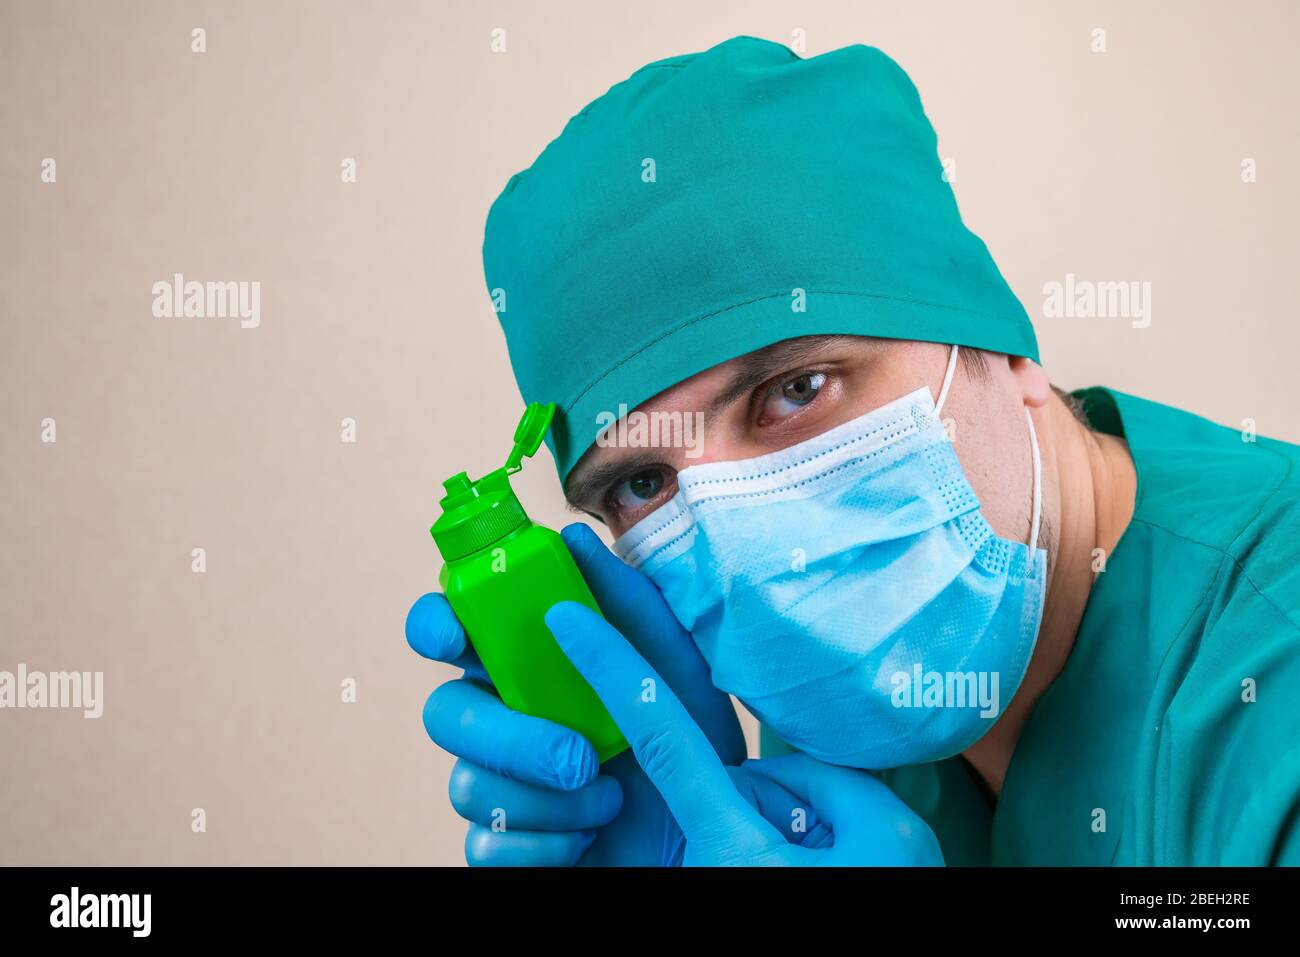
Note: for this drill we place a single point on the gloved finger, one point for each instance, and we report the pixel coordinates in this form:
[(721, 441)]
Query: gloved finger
[(466, 719), (485, 847), (858, 807), (485, 798), (433, 631), (784, 810), (634, 606), (670, 747)]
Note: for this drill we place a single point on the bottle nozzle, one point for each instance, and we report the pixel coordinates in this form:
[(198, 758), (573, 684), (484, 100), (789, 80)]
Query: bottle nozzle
[(475, 514), (457, 484)]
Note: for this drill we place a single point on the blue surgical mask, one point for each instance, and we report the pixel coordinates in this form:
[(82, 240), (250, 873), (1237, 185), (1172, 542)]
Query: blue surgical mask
[(847, 589)]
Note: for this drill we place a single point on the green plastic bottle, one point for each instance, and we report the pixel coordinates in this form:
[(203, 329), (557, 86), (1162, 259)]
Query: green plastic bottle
[(502, 573)]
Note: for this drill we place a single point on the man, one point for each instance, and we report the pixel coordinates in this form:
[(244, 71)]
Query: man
[(997, 623)]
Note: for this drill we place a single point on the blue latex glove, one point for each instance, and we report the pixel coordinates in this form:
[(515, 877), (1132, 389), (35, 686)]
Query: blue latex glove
[(868, 824), (560, 807)]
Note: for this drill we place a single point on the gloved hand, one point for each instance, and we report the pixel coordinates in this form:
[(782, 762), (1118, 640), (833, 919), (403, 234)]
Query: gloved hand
[(867, 824), (560, 807)]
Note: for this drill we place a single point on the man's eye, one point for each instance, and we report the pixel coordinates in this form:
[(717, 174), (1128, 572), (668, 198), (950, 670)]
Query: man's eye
[(637, 489), (792, 395)]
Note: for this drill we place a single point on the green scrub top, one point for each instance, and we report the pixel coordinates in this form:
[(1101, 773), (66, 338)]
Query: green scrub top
[(1172, 736)]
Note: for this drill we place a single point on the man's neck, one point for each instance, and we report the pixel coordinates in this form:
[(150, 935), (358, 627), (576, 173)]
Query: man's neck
[(1092, 485)]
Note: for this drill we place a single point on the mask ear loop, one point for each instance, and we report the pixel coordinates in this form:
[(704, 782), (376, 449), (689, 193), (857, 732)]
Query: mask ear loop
[(1035, 523), (1038, 484), (947, 382)]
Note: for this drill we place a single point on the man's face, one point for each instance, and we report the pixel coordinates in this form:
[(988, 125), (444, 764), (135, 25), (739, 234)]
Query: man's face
[(796, 389)]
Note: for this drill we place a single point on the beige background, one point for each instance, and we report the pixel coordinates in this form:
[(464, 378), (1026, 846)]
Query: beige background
[(223, 689)]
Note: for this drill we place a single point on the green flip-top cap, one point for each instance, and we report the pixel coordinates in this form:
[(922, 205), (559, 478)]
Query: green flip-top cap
[(476, 514)]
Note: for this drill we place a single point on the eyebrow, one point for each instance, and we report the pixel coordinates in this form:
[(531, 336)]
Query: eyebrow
[(751, 371)]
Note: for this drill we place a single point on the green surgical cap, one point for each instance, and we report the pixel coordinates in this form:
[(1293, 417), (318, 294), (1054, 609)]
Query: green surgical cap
[(716, 203)]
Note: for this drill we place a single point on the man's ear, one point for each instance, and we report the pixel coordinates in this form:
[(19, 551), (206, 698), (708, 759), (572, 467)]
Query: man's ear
[(1035, 388)]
